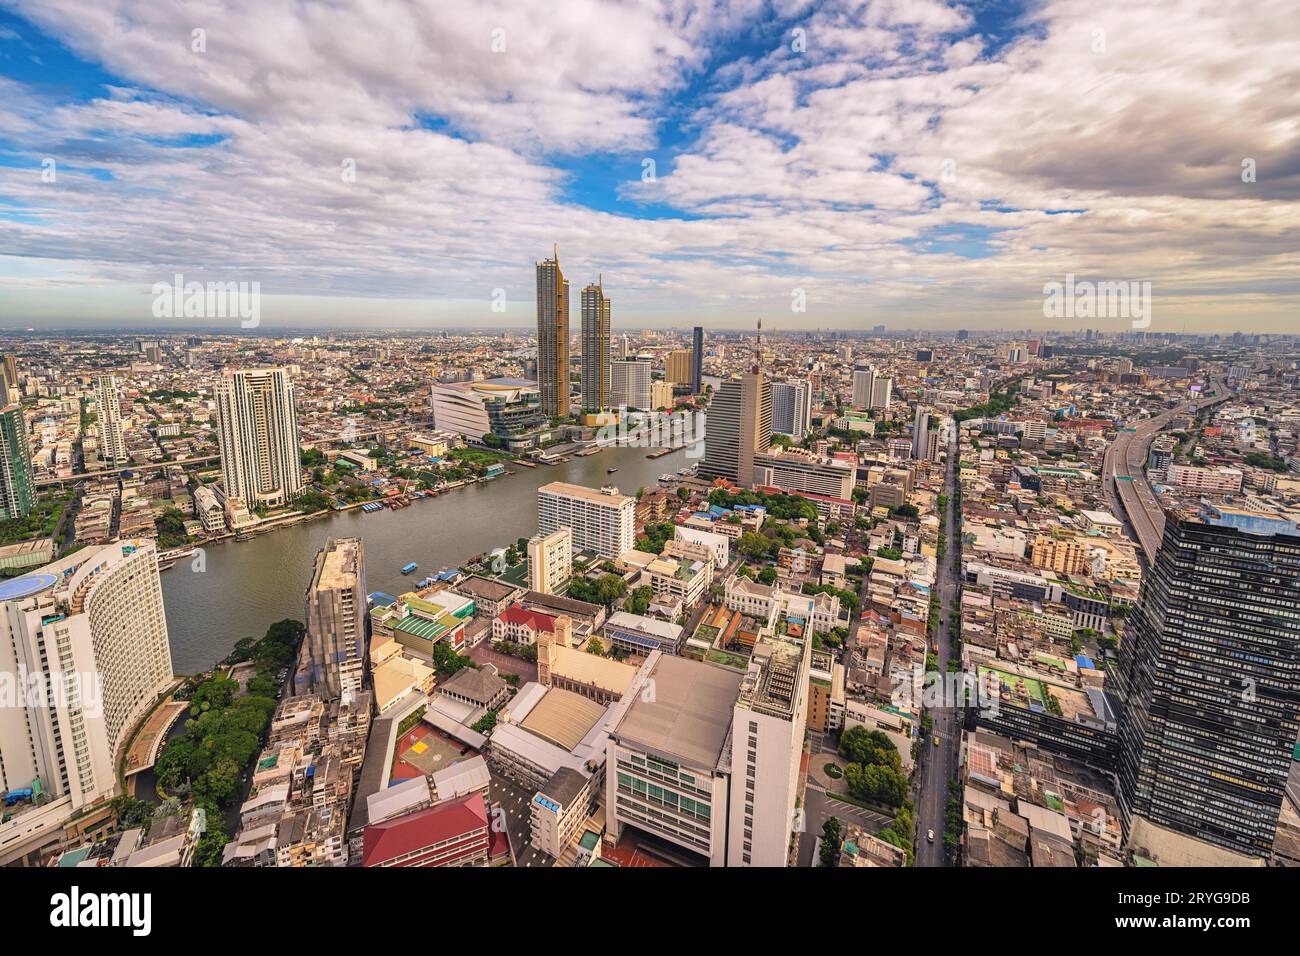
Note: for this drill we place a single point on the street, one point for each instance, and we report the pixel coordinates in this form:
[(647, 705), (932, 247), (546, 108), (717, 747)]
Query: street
[(938, 765)]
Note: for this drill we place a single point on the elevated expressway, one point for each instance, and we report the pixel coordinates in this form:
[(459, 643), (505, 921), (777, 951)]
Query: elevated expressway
[(1126, 485)]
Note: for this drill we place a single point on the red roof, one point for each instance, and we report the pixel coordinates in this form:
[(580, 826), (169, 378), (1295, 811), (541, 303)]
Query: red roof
[(534, 620), (466, 818)]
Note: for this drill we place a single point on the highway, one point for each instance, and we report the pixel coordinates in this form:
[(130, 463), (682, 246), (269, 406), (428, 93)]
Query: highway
[(1127, 488)]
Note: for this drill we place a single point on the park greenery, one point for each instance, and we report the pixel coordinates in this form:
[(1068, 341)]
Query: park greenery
[(874, 773)]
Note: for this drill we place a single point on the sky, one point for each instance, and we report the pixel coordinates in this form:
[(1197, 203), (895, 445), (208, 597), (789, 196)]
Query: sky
[(911, 163)]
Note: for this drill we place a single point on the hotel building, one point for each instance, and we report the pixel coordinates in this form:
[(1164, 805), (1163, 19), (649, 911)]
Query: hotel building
[(601, 521), (553, 337)]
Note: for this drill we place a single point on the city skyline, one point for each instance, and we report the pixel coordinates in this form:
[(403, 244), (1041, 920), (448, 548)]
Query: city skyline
[(825, 166)]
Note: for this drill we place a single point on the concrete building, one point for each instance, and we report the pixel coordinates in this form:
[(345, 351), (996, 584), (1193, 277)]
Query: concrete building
[(550, 561), (257, 431), (333, 654), (631, 380), (108, 405), (797, 470), (601, 521), (738, 426), (90, 630), (697, 360), (791, 408), (678, 366)]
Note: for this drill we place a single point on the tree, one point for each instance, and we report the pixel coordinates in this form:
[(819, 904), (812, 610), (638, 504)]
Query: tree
[(767, 576), (594, 646), (832, 837), (753, 545), (638, 602), (683, 494)]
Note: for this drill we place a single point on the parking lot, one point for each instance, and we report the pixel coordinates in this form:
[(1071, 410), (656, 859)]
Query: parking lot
[(513, 801)]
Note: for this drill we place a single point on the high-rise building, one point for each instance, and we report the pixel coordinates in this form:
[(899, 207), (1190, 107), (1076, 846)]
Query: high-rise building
[(864, 380), (550, 561), (1209, 677), (921, 433), (17, 484), (108, 403), (631, 384), (334, 650), (697, 361), (8, 377), (601, 521), (89, 630), (739, 424), (509, 408), (791, 408), (595, 347), (553, 337), (257, 431), (679, 367), (882, 392)]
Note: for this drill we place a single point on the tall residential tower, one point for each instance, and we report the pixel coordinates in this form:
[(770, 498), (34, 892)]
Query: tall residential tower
[(257, 431), (553, 337), (595, 347)]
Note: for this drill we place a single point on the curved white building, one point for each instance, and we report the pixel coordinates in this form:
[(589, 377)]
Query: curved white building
[(83, 655)]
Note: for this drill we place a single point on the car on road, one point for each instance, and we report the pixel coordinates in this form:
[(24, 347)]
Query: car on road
[(929, 835), (935, 738)]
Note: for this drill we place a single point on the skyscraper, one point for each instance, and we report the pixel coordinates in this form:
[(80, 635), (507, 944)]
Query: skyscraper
[(17, 484), (112, 443), (9, 376), (738, 425), (864, 381), (1209, 682), (921, 433), (257, 431), (678, 367), (553, 337), (89, 630), (333, 652), (595, 347), (791, 408), (697, 361)]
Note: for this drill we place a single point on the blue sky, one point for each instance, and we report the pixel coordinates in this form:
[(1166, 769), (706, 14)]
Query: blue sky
[(915, 163)]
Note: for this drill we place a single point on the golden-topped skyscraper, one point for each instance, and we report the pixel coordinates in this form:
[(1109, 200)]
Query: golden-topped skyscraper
[(553, 337), (595, 347)]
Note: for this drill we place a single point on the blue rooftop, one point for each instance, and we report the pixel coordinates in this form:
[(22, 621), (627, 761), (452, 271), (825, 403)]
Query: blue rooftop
[(26, 586)]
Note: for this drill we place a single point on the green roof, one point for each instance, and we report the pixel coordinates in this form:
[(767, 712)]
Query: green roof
[(422, 627)]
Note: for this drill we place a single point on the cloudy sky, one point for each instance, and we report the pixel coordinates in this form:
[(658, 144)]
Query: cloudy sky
[(912, 163)]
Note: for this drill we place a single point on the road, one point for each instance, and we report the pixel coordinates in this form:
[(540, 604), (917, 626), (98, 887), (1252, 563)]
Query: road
[(938, 765), (1126, 485)]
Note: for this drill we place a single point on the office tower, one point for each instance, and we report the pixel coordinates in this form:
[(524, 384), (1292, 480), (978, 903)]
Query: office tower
[(631, 383), (553, 337), (17, 484), (679, 367), (601, 521), (739, 424), (550, 561), (864, 380), (963, 335), (791, 408), (257, 431), (595, 348), (921, 432), (882, 392), (112, 443), (697, 361), (89, 631), (1209, 677), (333, 654)]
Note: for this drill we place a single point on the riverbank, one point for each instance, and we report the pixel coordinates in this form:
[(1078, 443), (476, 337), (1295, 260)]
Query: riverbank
[(235, 591)]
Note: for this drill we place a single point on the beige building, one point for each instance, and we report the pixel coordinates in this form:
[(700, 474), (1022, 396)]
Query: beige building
[(677, 366), (601, 521), (333, 652), (1062, 555), (550, 561), (553, 337)]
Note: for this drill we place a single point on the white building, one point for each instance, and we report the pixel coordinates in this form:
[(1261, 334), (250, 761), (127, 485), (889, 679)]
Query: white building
[(719, 545), (112, 442), (601, 521), (257, 431), (90, 630), (630, 384), (792, 408)]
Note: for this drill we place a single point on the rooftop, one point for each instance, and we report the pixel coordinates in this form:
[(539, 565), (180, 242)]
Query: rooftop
[(688, 715)]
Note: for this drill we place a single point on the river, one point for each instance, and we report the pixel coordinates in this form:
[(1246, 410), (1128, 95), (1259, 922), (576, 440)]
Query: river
[(247, 585)]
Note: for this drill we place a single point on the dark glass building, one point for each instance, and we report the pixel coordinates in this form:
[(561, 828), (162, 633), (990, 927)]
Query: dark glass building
[(697, 361), (1209, 680)]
